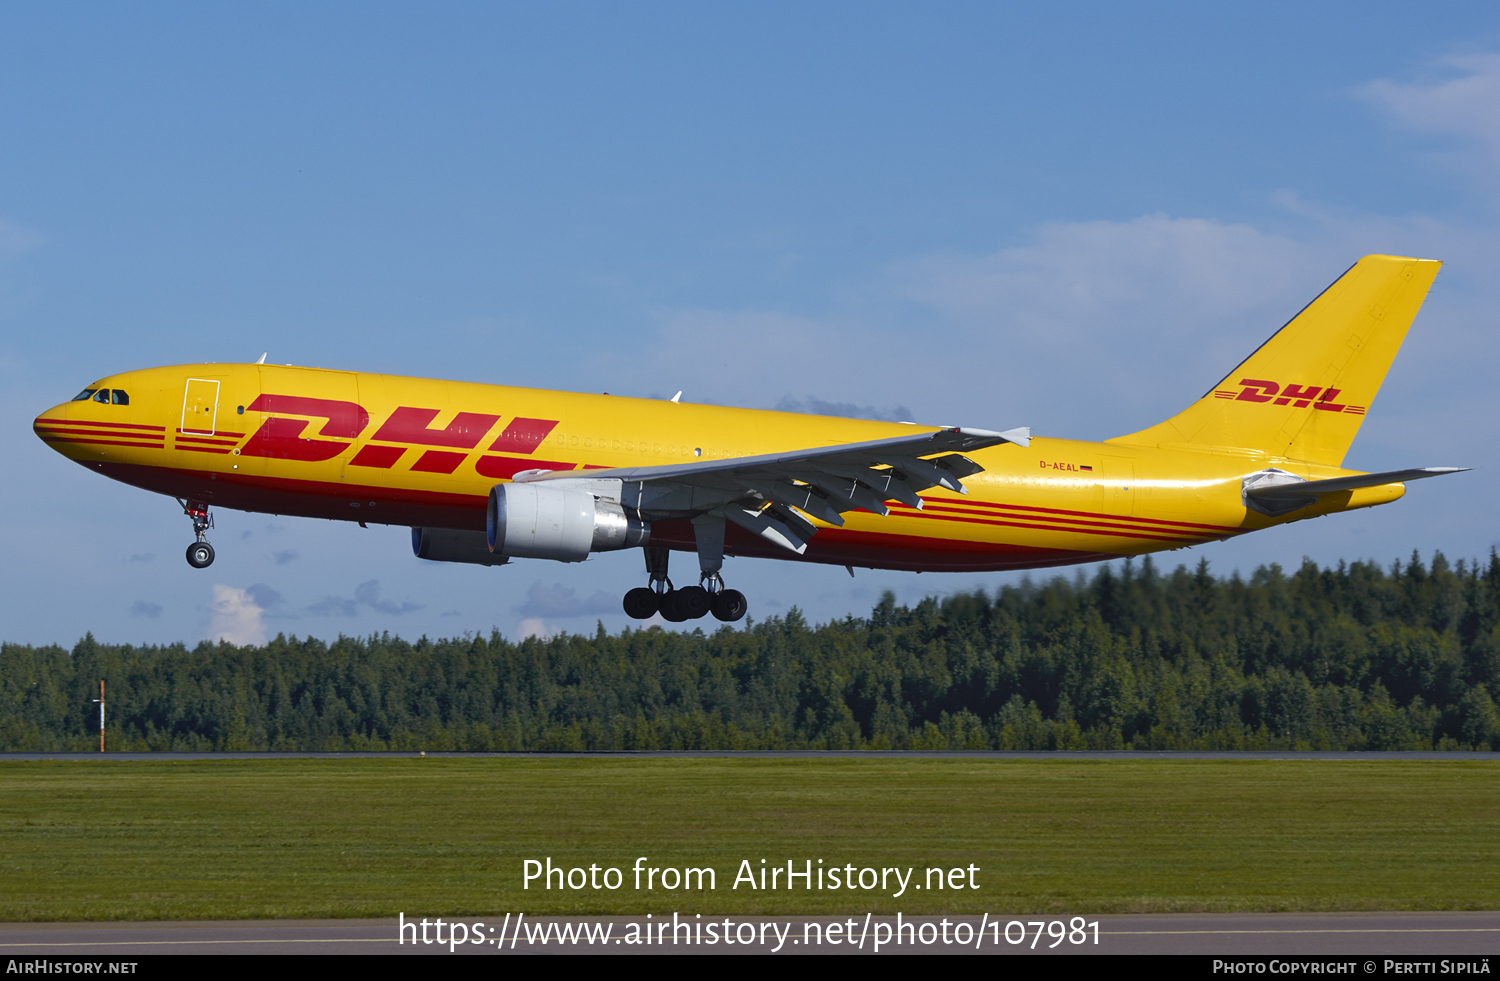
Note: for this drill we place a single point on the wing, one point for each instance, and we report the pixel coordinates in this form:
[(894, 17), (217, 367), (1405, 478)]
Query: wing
[(768, 495)]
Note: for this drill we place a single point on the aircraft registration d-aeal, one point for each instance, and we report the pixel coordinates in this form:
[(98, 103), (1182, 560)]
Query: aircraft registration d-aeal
[(486, 473)]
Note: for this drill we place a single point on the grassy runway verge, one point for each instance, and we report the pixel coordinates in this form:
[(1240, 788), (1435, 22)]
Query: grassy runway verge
[(87, 840)]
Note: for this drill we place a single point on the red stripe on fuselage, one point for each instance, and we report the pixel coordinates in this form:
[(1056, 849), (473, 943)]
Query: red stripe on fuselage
[(199, 439), (1123, 529), (106, 425), (1034, 525), (223, 433), (101, 442), (45, 431), (1080, 514)]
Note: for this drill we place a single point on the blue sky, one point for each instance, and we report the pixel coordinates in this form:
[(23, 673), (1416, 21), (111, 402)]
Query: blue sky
[(1070, 216)]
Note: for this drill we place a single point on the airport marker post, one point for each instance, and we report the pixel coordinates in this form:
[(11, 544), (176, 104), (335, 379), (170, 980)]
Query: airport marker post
[(100, 700)]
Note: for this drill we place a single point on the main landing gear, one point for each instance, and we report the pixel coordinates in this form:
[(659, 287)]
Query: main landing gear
[(688, 603), (200, 554)]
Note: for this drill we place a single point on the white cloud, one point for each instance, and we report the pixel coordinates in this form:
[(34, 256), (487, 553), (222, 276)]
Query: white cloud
[(559, 601), (1466, 105), (736, 357), (1129, 305), (812, 405), (1466, 108), (235, 617), (1073, 274), (1087, 330), (1092, 329), (533, 627)]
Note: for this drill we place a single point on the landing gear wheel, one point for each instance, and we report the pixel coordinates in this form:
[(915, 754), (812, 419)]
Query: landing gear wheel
[(640, 603), (200, 555), (692, 602), (729, 605), (669, 609)]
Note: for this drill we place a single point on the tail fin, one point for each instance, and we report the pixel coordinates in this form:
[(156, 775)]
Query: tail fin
[(1304, 392)]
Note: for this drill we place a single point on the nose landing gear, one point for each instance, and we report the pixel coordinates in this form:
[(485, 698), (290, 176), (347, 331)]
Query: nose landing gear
[(200, 554)]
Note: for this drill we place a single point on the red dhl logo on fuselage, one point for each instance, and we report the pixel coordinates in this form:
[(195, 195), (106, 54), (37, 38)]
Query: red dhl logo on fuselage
[(282, 438), (1297, 396)]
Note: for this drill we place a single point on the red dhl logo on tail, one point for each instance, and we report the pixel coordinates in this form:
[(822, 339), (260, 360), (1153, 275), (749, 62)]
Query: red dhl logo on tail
[(1297, 396), (343, 423)]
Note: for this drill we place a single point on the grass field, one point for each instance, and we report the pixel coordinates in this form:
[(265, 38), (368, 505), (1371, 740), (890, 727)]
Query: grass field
[(99, 840)]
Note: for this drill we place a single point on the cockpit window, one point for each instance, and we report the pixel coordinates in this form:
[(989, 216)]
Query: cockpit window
[(102, 396), (84, 395), (118, 397)]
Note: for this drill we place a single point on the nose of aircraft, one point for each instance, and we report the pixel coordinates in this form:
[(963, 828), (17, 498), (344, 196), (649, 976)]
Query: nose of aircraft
[(98, 425), (52, 427)]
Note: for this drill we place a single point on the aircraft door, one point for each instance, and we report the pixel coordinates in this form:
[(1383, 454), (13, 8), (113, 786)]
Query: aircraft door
[(200, 407), (1115, 490)]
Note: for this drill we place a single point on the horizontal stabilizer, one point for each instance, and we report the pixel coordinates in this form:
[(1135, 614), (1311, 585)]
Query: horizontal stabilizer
[(1278, 492)]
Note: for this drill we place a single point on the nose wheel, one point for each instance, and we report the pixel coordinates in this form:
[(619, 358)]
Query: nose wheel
[(688, 603), (200, 554)]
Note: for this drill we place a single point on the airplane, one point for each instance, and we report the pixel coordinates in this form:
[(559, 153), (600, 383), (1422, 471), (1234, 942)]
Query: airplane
[(484, 474)]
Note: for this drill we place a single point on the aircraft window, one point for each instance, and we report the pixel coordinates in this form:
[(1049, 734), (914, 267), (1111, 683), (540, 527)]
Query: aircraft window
[(102, 396), (119, 397), (84, 395)]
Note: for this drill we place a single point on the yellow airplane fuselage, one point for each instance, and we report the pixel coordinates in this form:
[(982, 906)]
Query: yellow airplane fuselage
[(410, 451)]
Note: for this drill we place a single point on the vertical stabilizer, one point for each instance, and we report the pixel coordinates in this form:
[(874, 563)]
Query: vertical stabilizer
[(1303, 393)]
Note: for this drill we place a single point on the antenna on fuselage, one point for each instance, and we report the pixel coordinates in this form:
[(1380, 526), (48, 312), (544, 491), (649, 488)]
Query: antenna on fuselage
[(263, 358), (677, 396)]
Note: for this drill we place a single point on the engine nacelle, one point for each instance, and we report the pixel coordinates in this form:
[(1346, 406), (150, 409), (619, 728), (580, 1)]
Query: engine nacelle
[(452, 545), (549, 521)]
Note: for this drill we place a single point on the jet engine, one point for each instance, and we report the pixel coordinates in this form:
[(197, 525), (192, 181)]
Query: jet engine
[(552, 521), (453, 545)]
